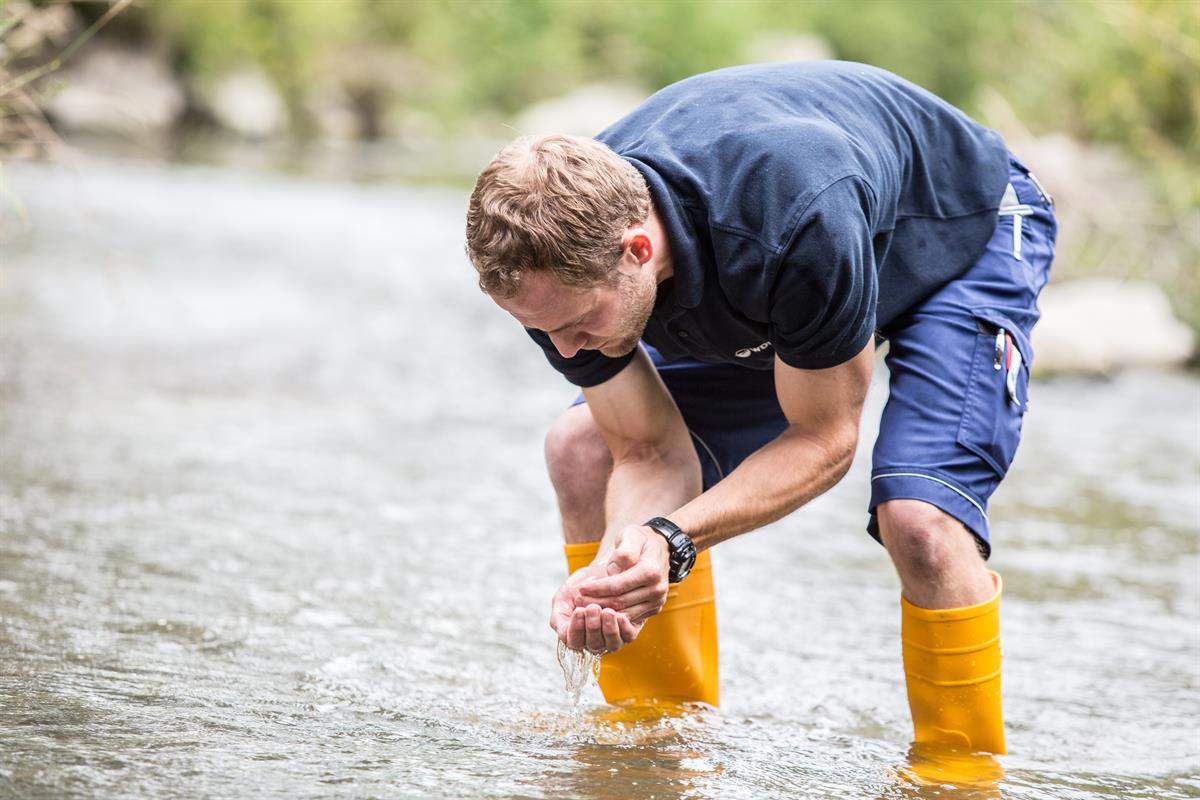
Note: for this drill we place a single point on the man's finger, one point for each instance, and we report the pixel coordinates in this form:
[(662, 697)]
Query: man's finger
[(622, 602), (643, 611), (623, 557), (560, 621), (595, 631), (613, 641), (621, 583), (577, 630), (561, 609), (629, 630)]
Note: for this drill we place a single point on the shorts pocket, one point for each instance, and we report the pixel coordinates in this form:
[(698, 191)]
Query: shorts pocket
[(997, 392)]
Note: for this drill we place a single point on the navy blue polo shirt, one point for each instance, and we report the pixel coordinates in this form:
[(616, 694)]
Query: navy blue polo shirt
[(807, 205)]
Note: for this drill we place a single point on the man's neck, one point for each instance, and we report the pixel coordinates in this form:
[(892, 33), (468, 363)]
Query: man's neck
[(663, 267)]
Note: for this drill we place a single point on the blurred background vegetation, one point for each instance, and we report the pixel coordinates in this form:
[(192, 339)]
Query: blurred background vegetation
[(1101, 93), (1121, 71)]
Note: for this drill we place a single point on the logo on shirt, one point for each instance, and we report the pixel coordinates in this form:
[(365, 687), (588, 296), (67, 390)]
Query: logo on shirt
[(746, 352)]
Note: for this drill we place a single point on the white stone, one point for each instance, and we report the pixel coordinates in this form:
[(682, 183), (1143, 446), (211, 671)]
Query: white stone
[(767, 47), (246, 102), (582, 112), (118, 91), (1098, 325)]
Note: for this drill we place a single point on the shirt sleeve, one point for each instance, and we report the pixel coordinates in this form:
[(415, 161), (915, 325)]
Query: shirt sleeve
[(822, 310), (585, 368)]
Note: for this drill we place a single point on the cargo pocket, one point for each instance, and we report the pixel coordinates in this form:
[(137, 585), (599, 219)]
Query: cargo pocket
[(997, 392)]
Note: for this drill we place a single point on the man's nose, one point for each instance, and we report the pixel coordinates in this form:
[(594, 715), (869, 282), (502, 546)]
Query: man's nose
[(567, 344)]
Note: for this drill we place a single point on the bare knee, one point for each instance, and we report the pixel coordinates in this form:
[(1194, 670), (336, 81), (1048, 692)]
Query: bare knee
[(578, 459), (924, 540)]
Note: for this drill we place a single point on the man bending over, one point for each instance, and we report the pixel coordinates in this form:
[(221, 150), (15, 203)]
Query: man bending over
[(715, 271)]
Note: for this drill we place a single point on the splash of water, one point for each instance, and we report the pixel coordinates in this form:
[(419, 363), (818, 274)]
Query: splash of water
[(579, 668)]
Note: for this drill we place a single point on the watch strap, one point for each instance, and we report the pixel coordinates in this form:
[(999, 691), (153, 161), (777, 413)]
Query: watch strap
[(680, 546)]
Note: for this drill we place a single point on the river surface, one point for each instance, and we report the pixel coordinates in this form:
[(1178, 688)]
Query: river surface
[(274, 523)]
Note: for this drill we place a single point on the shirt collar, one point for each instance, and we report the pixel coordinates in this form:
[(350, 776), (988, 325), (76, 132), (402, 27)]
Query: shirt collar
[(681, 232)]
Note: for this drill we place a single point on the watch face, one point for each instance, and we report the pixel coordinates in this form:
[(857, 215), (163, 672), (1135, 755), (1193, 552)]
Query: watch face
[(683, 558), (682, 548)]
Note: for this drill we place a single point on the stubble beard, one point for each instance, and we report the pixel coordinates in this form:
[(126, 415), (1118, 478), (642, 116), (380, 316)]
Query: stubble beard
[(637, 295)]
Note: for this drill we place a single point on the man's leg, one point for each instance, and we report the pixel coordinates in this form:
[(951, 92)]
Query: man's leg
[(950, 626), (938, 559), (579, 464), (731, 411), (959, 367)]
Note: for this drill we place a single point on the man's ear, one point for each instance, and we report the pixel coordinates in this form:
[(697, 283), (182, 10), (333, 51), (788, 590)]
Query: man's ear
[(637, 242)]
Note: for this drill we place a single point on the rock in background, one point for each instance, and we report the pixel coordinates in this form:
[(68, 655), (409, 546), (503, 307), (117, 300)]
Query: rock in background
[(1099, 325), (115, 90), (582, 112), (246, 101)]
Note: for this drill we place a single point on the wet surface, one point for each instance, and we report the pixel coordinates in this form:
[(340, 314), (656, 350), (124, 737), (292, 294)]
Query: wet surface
[(273, 522)]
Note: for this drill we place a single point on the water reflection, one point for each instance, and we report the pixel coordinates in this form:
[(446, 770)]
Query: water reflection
[(938, 771), (635, 753)]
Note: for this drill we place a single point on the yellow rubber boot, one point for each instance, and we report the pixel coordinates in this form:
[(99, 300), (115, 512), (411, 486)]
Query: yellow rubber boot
[(674, 658), (952, 668)]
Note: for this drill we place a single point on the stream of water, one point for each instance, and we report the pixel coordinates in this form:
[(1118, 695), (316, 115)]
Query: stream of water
[(274, 523)]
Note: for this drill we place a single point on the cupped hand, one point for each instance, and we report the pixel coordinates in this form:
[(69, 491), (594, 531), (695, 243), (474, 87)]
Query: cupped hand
[(633, 580), (588, 626)]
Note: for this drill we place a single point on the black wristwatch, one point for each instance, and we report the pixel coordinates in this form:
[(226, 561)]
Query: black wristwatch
[(683, 551)]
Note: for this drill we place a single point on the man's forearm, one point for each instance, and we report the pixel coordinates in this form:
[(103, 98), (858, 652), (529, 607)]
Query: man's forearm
[(780, 477), (648, 484)]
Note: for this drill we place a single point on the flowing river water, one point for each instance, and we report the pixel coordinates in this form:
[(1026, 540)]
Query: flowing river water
[(274, 523)]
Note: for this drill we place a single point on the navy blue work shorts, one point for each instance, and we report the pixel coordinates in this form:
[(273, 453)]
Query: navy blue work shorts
[(959, 365)]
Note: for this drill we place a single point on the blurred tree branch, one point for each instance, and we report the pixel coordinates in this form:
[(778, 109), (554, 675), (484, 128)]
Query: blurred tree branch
[(18, 97)]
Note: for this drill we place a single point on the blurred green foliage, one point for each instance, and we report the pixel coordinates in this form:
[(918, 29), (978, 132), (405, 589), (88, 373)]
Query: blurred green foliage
[(1124, 71)]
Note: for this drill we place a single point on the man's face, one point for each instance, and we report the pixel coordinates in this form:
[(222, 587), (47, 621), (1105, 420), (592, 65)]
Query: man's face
[(610, 319)]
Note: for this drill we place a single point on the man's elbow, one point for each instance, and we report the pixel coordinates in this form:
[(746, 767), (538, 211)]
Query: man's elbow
[(830, 450), (840, 445), (846, 447)]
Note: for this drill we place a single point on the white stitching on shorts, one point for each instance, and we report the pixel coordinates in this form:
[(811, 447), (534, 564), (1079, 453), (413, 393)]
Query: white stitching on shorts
[(951, 487)]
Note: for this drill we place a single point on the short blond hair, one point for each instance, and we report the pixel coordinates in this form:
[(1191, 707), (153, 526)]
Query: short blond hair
[(556, 204)]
